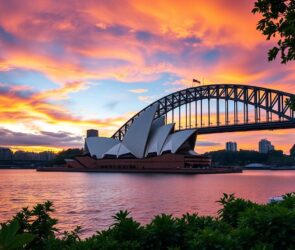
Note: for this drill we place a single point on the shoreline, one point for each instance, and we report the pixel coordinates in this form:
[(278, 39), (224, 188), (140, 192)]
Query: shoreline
[(153, 171), (202, 171)]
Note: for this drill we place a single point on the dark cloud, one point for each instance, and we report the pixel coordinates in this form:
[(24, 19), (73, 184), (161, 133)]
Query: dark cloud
[(60, 134), (211, 55), (44, 138), (7, 37), (207, 143), (6, 89), (115, 30), (144, 36), (192, 40), (111, 105)]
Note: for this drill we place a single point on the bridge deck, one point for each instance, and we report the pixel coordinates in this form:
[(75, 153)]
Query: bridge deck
[(247, 127)]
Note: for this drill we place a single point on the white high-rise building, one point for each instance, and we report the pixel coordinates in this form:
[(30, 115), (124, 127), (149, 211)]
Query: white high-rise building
[(231, 146), (265, 146)]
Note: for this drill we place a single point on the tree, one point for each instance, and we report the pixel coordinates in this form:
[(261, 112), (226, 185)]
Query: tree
[(278, 21), (67, 154), (291, 102), (11, 239), (292, 151)]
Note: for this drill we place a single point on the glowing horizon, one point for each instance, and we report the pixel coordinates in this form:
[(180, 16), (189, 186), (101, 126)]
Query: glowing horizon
[(73, 66)]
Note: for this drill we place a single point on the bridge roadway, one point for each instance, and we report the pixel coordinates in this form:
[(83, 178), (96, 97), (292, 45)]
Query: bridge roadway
[(246, 127)]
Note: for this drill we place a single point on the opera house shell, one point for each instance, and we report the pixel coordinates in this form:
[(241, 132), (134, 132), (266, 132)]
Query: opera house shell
[(147, 144)]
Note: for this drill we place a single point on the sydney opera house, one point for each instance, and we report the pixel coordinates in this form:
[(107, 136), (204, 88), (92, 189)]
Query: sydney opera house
[(147, 144)]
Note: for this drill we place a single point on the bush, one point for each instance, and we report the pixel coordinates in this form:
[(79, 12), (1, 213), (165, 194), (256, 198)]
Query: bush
[(232, 208), (241, 224), (273, 225), (37, 222), (10, 238)]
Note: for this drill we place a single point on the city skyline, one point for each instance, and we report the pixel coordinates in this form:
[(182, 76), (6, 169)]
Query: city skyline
[(66, 68), (256, 148)]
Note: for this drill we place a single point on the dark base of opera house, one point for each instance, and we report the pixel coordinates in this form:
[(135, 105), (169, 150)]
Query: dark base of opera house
[(167, 163)]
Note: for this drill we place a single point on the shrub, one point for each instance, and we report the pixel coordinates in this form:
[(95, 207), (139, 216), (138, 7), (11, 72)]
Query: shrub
[(273, 225), (232, 208), (241, 224), (38, 222), (10, 238), (162, 233)]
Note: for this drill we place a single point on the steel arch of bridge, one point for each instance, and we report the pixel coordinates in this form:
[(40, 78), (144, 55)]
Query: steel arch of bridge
[(264, 102)]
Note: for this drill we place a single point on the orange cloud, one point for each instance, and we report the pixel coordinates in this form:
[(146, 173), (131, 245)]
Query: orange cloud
[(138, 91), (169, 21), (34, 107), (76, 44)]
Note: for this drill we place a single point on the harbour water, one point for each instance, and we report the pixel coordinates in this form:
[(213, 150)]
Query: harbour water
[(90, 199)]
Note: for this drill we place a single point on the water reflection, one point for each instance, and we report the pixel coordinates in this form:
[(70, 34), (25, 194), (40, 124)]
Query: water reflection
[(90, 199)]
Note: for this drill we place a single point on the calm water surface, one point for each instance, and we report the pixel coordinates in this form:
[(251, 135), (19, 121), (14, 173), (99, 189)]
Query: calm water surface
[(90, 199)]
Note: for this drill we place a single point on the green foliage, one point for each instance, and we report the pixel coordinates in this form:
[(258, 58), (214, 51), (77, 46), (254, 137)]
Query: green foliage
[(277, 158), (213, 239), (67, 154), (125, 230), (241, 224), (278, 21), (204, 232), (241, 157), (292, 150), (244, 157), (271, 224), (291, 103), (10, 238), (38, 222), (232, 208), (289, 201), (162, 232)]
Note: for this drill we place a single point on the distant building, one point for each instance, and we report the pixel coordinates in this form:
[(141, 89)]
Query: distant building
[(149, 144), (46, 156), (92, 133), (25, 156), (6, 154), (231, 146), (32, 156), (265, 146)]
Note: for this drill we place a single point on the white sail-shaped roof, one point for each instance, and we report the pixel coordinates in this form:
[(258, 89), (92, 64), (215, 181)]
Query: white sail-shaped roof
[(145, 137), (117, 151), (159, 122), (192, 152), (158, 138), (97, 146), (176, 140), (123, 150), (113, 151), (137, 134)]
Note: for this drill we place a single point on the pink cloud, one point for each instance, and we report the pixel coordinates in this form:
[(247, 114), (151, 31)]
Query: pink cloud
[(135, 41)]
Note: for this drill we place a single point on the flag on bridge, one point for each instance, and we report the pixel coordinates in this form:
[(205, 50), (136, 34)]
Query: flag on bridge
[(197, 81)]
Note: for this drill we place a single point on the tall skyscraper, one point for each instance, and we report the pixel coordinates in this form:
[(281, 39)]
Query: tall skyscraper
[(265, 146), (231, 146)]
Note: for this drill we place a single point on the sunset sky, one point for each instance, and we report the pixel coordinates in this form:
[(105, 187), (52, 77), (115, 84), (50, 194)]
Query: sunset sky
[(67, 66)]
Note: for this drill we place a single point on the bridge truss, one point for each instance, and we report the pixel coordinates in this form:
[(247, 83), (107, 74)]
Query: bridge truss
[(223, 108)]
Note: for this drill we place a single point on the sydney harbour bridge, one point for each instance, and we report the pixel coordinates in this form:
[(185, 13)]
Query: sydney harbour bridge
[(221, 108)]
